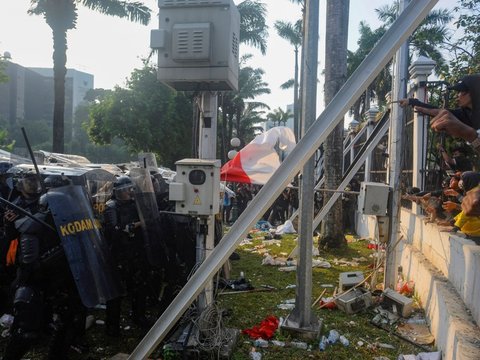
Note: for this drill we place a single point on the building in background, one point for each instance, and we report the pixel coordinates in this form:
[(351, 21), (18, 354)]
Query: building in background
[(28, 95)]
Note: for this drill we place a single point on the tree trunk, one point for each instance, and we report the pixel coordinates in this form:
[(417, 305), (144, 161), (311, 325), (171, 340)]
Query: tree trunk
[(59, 74), (335, 77)]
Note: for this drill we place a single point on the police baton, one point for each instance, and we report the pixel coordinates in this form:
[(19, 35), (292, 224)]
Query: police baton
[(26, 213)]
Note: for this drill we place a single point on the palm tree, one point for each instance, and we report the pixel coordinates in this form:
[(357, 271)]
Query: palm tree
[(61, 16), (335, 76), (431, 33), (293, 34), (425, 40), (278, 116), (253, 26), (234, 103)]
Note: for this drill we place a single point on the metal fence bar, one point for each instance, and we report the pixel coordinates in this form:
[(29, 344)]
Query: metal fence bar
[(378, 58)]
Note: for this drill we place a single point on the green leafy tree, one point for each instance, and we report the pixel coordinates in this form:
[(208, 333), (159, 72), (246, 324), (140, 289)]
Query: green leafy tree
[(426, 40), (146, 115), (3, 67), (466, 50), (253, 26), (428, 37), (61, 16)]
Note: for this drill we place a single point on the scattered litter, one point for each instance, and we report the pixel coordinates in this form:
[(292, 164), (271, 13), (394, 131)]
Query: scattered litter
[(245, 242), (263, 225), (299, 345), (289, 301), (291, 286), (360, 259), (418, 333), (345, 262), (270, 260), (333, 336), (360, 343), (261, 343), (264, 330), (286, 228), (323, 343), (321, 263), (287, 268), (385, 346), (328, 303), (6, 333), (344, 341), (100, 307), (271, 242), (384, 317), (286, 306), (278, 343), (381, 358), (126, 328), (437, 355), (327, 285), (254, 355), (419, 320), (99, 322)]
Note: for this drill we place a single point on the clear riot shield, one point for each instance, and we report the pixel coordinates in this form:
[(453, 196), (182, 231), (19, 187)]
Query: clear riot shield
[(99, 184), (149, 215), (85, 248)]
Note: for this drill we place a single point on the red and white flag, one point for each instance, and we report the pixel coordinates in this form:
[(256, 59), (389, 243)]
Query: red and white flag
[(258, 160)]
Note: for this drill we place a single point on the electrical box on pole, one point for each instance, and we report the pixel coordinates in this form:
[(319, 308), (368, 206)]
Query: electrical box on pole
[(373, 198), (196, 190), (198, 44)]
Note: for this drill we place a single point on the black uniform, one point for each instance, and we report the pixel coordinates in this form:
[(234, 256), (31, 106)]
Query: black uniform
[(127, 245), (44, 286)]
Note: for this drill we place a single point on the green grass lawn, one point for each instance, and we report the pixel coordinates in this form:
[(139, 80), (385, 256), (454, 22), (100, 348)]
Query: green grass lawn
[(249, 309)]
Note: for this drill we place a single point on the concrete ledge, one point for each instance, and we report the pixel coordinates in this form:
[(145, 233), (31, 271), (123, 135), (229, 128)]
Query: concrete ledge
[(455, 331), (457, 258)]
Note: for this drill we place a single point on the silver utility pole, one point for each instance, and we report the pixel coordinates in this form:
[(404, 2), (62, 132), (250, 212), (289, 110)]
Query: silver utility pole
[(317, 133), (396, 150), (207, 150), (302, 316)]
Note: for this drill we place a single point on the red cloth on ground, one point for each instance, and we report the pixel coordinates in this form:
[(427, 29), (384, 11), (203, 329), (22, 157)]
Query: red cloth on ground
[(265, 330)]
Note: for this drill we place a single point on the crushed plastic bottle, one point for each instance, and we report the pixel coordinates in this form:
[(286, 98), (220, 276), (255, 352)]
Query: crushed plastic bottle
[(278, 343), (323, 343), (344, 341), (261, 343), (299, 345), (333, 336)]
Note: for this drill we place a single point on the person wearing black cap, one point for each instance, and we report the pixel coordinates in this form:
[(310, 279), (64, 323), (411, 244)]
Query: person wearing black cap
[(468, 111)]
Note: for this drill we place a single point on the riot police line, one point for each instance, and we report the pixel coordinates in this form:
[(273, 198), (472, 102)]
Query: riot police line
[(75, 238)]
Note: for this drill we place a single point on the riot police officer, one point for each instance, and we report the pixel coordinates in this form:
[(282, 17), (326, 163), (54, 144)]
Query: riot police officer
[(44, 284), (124, 235)]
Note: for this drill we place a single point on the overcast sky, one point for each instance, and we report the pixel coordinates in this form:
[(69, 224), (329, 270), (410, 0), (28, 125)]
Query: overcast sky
[(110, 48)]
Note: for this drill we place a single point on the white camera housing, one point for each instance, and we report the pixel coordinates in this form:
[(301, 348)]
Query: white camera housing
[(196, 189)]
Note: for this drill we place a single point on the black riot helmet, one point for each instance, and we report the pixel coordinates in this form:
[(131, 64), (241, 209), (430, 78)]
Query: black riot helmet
[(123, 188), (54, 181), (26, 181)]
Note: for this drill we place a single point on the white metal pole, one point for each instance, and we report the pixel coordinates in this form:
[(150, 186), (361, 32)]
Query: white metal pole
[(330, 117), (396, 144)]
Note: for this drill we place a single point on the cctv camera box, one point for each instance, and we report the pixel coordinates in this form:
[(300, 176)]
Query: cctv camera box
[(354, 301)]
